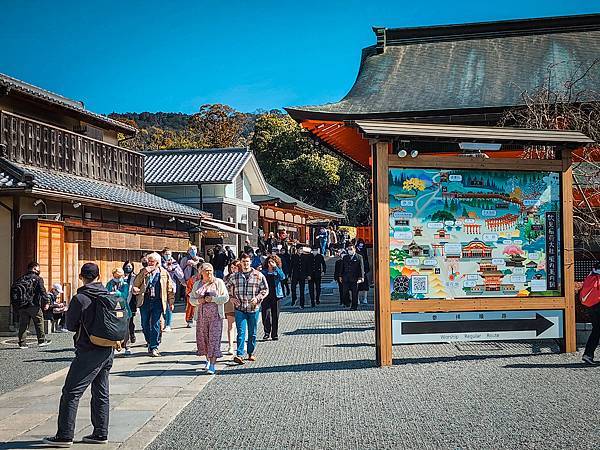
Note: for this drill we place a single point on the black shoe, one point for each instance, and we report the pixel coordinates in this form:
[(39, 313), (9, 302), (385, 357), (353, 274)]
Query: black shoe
[(589, 360), (312, 305), (23, 345), (91, 439), (132, 339), (354, 308), (44, 343), (57, 442), (318, 302), (274, 338), (266, 337), (293, 303)]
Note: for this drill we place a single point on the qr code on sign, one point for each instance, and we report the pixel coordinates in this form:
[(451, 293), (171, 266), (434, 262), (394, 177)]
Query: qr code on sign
[(419, 284)]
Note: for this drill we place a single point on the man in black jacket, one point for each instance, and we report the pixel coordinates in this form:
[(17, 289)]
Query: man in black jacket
[(301, 269), (33, 298), (337, 276), (318, 268), (352, 275), (90, 366)]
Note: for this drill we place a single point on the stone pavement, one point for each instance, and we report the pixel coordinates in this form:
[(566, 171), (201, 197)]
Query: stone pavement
[(318, 388), (145, 395)]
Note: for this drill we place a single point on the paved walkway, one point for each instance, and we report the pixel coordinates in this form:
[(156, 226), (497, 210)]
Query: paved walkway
[(145, 395), (317, 388)]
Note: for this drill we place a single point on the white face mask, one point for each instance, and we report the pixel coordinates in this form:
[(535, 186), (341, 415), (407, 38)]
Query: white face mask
[(351, 252)]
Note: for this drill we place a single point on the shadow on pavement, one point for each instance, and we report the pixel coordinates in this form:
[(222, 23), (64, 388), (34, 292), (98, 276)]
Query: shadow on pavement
[(304, 331), (23, 444), (308, 367), (575, 365), (353, 345), (431, 360), (159, 372)]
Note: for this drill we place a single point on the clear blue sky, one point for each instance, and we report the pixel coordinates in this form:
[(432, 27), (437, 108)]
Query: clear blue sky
[(156, 55)]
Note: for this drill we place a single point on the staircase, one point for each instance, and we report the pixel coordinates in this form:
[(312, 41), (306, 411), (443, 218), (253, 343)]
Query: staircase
[(330, 263)]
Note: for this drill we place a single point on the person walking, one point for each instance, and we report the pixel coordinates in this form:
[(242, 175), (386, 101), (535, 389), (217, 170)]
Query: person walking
[(56, 308), (193, 307), (352, 275), (300, 271), (129, 277), (154, 290), (119, 287), (189, 264), (230, 254), (177, 278), (322, 239), (363, 288), (333, 240), (219, 262), (232, 268), (590, 297), (318, 268), (210, 294), (29, 297), (286, 266), (270, 306), (248, 288), (90, 366), (337, 276)]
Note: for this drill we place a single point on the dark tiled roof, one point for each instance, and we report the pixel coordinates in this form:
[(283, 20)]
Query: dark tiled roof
[(468, 67), (194, 166), (277, 195), (43, 180), (43, 94)]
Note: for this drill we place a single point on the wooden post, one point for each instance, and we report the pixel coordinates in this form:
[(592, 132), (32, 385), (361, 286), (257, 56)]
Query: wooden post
[(381, 246), (568, 253)]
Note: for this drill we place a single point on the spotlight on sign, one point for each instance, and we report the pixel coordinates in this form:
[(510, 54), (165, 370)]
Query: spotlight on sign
[(402, 153), (414, 153)]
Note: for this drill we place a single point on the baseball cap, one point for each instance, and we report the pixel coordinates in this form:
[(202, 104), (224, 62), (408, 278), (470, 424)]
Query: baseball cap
[(58, 288), (90, 271)]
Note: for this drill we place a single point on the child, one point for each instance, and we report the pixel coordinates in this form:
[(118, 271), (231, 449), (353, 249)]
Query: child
[(119, 287)]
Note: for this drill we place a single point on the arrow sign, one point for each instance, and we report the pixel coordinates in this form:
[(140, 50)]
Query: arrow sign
[(539, 325), (476, 326)]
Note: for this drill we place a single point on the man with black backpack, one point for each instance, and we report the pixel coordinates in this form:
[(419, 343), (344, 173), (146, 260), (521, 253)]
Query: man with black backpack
[(100, 324), (28, 296)]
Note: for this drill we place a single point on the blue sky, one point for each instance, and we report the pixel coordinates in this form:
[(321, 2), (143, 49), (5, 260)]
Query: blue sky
[(156, 55)]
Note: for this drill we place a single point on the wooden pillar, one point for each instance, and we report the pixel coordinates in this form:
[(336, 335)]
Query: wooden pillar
[(381, 246), (569, 252)]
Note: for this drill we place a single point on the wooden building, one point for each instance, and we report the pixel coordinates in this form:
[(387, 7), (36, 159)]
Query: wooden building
[(220, 181), (282, 212), (70, 194), (422, 92)]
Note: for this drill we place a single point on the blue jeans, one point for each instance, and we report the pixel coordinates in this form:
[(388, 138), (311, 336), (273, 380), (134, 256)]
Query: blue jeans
[(168, 314), (150, 313), (245, 320), (323, 246), (220, 274)]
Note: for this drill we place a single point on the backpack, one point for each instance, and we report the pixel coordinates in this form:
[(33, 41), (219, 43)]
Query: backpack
[(590, 291), (23, 291), (110, 323)]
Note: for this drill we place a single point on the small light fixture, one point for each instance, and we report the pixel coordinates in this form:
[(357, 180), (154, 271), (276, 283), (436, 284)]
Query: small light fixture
[(172, 219), (38, 202), (402, 153), (57, 217), (76, 205), (414, 153)]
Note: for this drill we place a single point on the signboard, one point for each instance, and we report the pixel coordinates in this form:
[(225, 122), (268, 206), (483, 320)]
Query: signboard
[(474, 233), (409, 328)]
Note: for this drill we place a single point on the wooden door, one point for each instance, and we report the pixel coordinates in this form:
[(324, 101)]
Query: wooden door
[(50, 253)]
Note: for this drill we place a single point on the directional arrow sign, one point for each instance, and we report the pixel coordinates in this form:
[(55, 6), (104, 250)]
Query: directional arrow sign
[(476, 326)]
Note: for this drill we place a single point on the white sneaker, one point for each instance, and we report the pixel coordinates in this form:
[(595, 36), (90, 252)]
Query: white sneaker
[(189, 325), (127, 352), (167, 329)]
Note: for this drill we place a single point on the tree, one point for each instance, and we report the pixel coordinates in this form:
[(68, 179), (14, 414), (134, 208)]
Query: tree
[(414, 184), (564, 102), (442, 215), (219, 126)]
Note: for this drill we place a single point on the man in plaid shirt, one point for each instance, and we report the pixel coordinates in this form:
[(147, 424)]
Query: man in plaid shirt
[(247, 289)]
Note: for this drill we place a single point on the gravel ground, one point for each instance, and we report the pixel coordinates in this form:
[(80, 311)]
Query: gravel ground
[(317, 387), (19, 367)]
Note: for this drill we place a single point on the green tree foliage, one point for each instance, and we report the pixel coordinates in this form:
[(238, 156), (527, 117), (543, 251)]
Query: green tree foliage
[(219, 126)]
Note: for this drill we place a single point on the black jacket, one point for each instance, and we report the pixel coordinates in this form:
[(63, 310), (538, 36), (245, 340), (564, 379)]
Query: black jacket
[(301, 266), (337, 271), (40, 296), (318, 265), (352, 268), (80, 314), (219, 261)]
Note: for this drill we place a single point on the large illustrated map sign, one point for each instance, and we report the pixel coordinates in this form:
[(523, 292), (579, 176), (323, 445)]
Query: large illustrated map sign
[(474, 233)]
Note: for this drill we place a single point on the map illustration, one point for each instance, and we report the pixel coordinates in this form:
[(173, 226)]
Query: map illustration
[(474, 233)]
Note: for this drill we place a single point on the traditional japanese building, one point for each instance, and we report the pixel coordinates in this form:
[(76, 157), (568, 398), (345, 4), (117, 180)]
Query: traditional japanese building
[(70, 194), (282, 212), (221, 181), (476, 249)]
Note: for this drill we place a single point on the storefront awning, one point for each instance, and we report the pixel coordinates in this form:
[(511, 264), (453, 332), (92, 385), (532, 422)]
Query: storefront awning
[(213, 224)]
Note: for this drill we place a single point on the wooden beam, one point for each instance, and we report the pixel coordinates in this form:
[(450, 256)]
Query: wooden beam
[(462, 162), (383, 315), (568, 252), (479, 304)]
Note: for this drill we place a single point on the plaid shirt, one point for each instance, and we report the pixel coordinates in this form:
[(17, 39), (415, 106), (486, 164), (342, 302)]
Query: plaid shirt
[(245, 287)]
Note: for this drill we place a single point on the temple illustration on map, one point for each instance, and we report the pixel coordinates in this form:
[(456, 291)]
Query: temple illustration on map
[(463, 233)]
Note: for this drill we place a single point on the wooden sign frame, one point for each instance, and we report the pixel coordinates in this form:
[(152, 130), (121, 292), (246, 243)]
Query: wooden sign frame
[(382, 161)]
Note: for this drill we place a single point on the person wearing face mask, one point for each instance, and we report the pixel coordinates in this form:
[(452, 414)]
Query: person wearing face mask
[(176, 273), (119, 287), (352, 274), (28, 296), (318, 268), (363, 288), (154, 291), (129, 277), (270, 306)]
